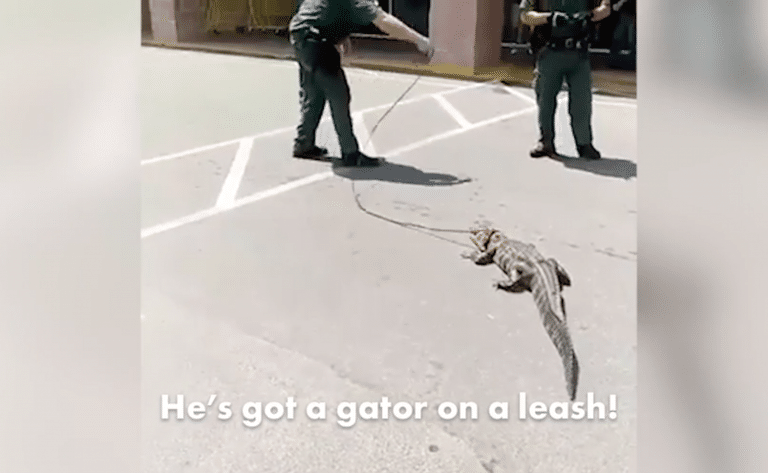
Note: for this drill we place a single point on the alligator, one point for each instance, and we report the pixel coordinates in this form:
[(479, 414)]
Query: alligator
[(528, 270)]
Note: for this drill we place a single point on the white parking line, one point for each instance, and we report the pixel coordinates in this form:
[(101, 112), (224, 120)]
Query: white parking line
[(199, 149), (521, 95), (448, 134), (204, 214), (452, 111), (236, 203), (616, 103), (277, 131), (473, 126), (391, 76), (235, 176), (362, 134)]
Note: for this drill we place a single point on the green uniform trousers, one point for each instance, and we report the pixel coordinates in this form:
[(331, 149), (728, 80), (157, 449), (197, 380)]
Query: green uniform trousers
[(322, 79), (552, 67)]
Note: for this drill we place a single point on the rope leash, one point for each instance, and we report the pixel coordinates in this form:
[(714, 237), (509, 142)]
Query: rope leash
[(410, 225)]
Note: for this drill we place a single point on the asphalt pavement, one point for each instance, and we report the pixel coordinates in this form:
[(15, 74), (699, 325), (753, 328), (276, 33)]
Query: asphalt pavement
[(263, 280)]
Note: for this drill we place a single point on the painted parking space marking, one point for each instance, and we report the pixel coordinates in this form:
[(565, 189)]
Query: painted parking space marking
[(228, 200), (287, 129), (235, 176), (298, 183), (363, 136), (204, 214), (452, 111)]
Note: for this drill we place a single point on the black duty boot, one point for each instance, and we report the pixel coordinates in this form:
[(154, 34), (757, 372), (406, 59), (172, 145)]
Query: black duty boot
[(543, 149), (313, 152), (588, 151), (358, 159)]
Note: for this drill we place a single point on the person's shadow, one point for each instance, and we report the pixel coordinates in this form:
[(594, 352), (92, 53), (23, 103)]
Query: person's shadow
[(397, 173), (611, 167)]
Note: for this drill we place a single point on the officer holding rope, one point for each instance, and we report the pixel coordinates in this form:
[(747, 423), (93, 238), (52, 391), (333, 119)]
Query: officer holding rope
[(320, 32), (560, 41)]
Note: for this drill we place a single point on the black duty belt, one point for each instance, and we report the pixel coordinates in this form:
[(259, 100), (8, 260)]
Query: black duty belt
[(309, 33), (568, 43)]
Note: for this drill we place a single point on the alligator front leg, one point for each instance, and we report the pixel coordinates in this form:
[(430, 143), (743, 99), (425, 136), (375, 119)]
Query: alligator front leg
[(479, 258)]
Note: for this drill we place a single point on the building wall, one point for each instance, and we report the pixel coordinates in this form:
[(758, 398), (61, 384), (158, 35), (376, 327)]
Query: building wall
[(146, 17), (177, 20), (466, 33)]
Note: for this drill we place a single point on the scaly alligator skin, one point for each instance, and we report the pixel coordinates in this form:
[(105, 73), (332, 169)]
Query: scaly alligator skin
[(528, 270)]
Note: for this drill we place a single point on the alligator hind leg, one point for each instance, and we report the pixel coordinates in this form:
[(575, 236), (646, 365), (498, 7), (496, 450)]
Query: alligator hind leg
[(518, 281), (562, 275)]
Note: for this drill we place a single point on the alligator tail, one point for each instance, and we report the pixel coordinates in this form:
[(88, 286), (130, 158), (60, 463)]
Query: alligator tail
[(558, 332)]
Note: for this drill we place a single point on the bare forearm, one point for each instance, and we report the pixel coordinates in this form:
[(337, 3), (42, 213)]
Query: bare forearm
[(602, 12), (534, 18), (396, 28)]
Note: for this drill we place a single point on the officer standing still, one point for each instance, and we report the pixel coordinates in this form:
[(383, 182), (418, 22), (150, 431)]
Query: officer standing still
[(561, 44), (320, 32)]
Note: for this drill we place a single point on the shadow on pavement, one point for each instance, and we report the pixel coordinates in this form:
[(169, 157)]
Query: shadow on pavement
[(397, 173), (611, 167)]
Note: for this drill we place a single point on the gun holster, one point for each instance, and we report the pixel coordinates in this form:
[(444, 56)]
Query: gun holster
[(539, 38)]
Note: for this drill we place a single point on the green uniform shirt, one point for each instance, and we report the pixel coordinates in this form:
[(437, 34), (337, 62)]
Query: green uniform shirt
[(334, 19), (565, 6)]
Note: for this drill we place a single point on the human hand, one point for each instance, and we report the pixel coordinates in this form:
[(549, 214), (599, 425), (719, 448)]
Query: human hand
[(618, 6), (345, 46), (604, 11), (581, 18), (425, 47), (558, 19)]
